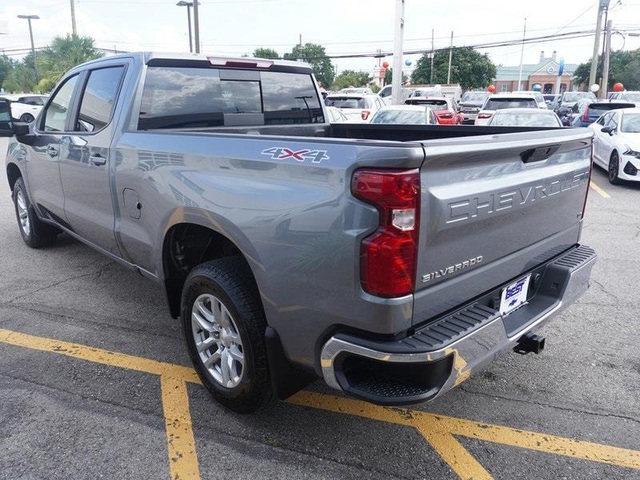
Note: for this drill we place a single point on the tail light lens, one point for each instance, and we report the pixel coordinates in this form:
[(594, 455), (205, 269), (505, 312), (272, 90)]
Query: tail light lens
[(485, 115), (365, 114), (388, 256)]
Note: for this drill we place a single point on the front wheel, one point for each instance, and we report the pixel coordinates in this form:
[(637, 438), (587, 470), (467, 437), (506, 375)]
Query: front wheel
[(614, 168), (35, 233), (224, 327)]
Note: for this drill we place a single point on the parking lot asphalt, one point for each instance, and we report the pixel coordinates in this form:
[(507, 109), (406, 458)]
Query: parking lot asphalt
[(95, 383)]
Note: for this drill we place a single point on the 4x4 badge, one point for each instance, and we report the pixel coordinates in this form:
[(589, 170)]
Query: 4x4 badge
[(282, 153)]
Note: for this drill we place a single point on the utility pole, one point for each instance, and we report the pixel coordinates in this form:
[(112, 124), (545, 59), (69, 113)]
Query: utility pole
[(396, 79), (450, 56), (524, 36), (605, 61), (74, 31), (196, 26), (433, 54), (602, 6)]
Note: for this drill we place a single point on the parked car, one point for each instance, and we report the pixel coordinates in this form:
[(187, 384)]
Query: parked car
[(569, 99), (335, 115), (551, 99), (25, 107), (587, 111), (470, 105), (387, 94), (445, 108), (358, 90), (616, 144), (406, 115), (627, 96), (357, 107), (530, 117), (500, 101)]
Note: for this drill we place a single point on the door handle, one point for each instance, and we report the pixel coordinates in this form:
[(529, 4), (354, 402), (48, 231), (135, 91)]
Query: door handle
[(97, 160), (52, 151)]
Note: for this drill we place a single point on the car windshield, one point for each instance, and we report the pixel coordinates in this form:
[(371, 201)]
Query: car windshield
[(542, 119), (476, 97), (630, 96), (575, 96), (346, 102), (630, 123), (415, 117), (500, 103)]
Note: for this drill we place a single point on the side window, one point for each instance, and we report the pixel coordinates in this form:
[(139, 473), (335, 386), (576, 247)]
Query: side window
[(98, 99), (55, 116), (613, 121), (603, 119)]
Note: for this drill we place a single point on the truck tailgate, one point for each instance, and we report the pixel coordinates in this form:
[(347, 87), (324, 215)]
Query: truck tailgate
[(494, 207)]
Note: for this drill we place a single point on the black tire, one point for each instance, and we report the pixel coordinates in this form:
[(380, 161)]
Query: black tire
[(614, 166), (222, 314), (26, 118), (34, 231)]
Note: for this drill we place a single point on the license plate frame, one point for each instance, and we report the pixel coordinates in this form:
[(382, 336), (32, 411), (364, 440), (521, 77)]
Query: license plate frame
[(513, 296)]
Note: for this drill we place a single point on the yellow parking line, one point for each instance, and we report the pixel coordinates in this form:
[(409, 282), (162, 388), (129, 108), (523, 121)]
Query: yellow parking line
[(183, 460), (98, 355), (438, 427), (598, 190), (439, 430)]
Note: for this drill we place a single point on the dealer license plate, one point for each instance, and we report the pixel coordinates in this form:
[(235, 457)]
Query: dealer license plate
[(514, 295)]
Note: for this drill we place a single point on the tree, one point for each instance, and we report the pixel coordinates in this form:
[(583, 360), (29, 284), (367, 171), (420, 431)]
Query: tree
[(62, 55), (468, 68), (315, 56), (6, 65), (266, 53), (352, 78), (388, 77), (21, 77), (624, 67)]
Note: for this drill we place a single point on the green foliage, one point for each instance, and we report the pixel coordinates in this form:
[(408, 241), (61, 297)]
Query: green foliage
[(62, 55), (388, 77), (265, 53), (352, 78), (624, 67), (21, 78), (6, 65), (468, 68), (315, 56)]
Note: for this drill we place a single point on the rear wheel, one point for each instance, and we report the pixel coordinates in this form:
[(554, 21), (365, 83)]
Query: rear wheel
[(224, 327), (614, 168), (35, 233)]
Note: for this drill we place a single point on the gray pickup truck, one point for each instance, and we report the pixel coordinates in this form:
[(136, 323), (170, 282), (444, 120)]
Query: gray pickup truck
[(390, 260)]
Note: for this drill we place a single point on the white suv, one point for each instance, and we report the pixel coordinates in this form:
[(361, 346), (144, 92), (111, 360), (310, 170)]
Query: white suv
[(499, 101), (358, 108), (25, 107)]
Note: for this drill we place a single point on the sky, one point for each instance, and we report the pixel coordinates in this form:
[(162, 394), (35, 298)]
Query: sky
[(343, 27)]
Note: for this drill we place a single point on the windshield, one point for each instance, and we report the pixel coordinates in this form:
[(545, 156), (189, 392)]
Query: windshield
[(542, 119), (416, 117), (474, 97), (630, 123), (346, 102), (630, 96), (500, 103)]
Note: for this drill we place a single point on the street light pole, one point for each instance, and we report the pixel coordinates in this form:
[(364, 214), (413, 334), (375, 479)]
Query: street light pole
[(33, 49), (182, 3), (602, 6)]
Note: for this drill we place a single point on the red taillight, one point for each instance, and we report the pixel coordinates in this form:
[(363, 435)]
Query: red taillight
[(365, 114), (485, 115), (585, 116), (445, 115), (388, 256)]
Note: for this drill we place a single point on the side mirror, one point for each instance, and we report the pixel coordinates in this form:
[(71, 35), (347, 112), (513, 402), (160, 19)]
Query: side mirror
[(609, 130), (6, 124)]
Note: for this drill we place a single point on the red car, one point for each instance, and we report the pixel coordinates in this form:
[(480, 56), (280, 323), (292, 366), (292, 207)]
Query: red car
[(445, 108)]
